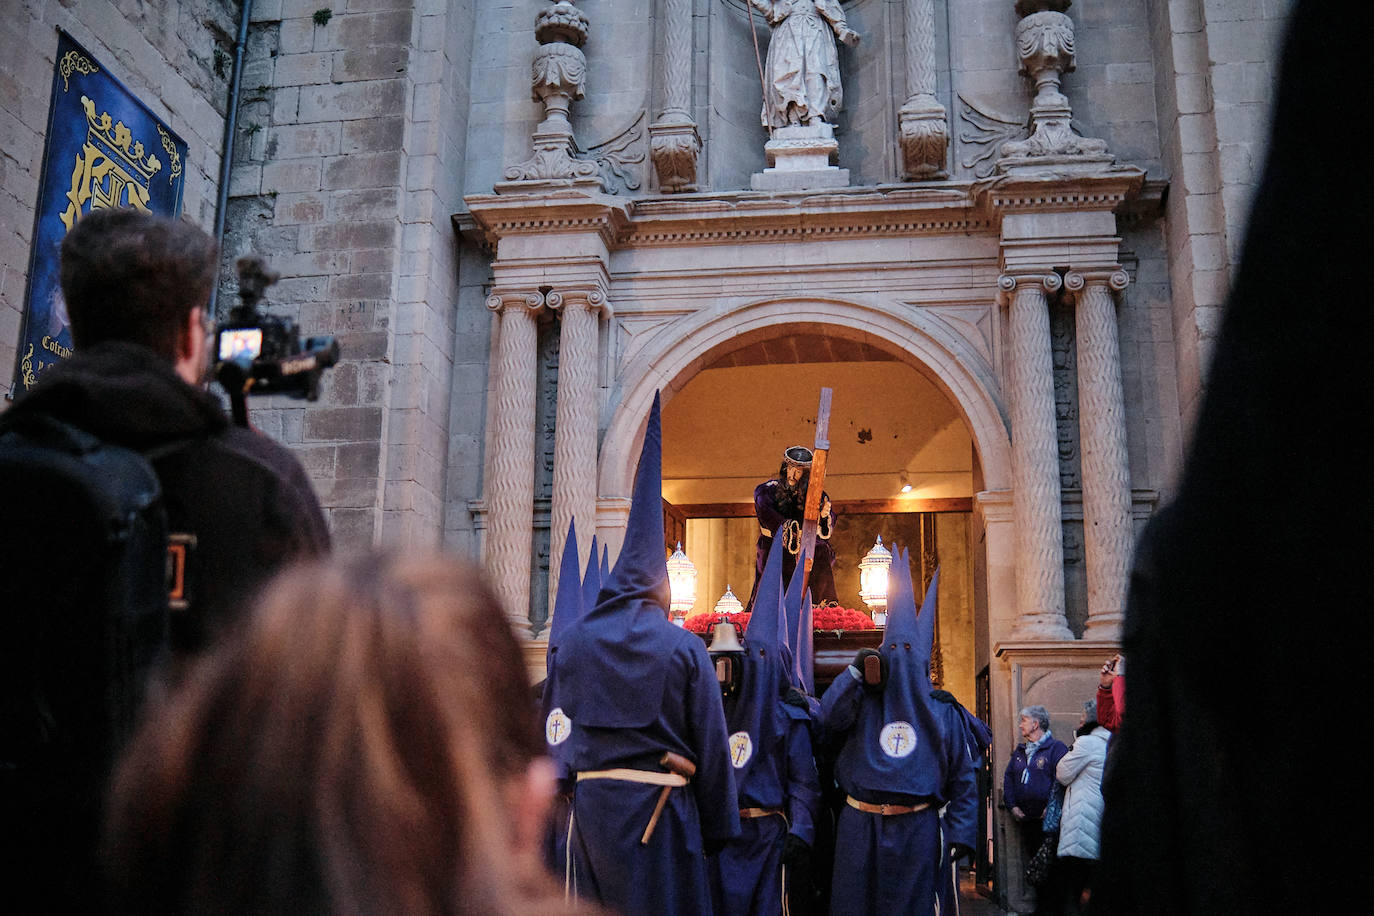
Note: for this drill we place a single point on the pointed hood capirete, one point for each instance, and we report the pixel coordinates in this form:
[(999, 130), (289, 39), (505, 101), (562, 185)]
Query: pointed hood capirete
[(898, 740), (605, 563), (567, 603), (798, 606), (757, 709), (591, 581), (612, 659)]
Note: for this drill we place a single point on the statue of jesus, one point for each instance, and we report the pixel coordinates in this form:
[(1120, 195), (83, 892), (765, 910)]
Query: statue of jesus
[(802, 75)]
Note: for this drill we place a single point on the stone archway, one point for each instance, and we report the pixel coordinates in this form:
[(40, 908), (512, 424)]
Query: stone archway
[(922, 341)]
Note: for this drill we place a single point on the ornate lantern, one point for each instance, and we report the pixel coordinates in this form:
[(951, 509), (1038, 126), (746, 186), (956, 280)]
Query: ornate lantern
[(728, 603), (873, 570), (682, 581)]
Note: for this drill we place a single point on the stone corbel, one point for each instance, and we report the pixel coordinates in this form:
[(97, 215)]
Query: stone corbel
[(674, 148)]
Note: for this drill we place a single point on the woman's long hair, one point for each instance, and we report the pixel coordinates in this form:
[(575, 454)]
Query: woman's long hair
[(347, 750)]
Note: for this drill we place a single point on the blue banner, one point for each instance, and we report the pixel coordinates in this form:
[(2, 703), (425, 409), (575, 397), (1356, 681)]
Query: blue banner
[(104, 148)]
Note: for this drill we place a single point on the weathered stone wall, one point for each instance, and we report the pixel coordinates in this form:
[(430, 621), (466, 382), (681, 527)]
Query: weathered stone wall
[(1216, 63), (350, 160), (174, 55)]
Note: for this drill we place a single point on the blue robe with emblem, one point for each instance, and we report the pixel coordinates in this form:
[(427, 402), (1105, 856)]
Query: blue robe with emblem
[(770, 749), (900, 747), (569, 603), (632, 686)]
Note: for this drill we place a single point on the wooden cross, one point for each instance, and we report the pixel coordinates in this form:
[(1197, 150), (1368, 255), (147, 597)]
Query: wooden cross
[(812, 514)]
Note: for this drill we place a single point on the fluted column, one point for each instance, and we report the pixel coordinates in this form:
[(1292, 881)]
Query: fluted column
[(510, 476), (923, 129), (1107, 535), (1036, 502), (674, 144), (574, 449)]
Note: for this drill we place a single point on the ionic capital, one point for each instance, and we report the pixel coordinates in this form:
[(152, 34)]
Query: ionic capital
[(589, 298), (1114, 278), (1007, 284), (501, 300)]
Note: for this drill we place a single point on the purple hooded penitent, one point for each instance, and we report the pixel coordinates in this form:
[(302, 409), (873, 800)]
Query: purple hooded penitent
[(770, 748), (900, 747), (633, 686)]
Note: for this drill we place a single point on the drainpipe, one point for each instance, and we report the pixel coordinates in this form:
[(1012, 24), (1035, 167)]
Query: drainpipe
[(230, 127)]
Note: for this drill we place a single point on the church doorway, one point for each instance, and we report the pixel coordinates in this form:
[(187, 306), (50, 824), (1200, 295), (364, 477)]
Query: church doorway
[(902, 466)]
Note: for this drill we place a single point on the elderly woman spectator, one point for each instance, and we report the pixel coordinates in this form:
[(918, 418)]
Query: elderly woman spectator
[(1029, 777), (363, 744), (1080, 828)]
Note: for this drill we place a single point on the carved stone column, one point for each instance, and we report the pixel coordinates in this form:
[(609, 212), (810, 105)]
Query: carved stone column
[(923, 130), (558, 75), (1036, 499), (510, 475), (674, 144), (1045, 44), (574, 456), (1107, 535)]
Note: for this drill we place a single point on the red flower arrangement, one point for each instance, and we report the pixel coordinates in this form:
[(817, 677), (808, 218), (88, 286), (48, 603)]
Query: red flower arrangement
[(822, 618)]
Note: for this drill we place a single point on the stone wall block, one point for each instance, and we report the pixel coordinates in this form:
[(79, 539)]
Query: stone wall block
[(372, 234), (1197, 134), (286, 106), (296, 34), (363, 30), (364, 344), (292, 141), (373, 134), (341, 385), (291, 175), (298, 208), (372, 62), (361, 286), (342, 424), (348, 492), (367, 204), (362, 170), (301, 69), (352, 528), (350, 101)]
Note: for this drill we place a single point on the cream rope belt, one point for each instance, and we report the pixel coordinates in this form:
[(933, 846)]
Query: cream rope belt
[(649, 777)]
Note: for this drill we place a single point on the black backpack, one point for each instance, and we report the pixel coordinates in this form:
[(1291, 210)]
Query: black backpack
[(83, 623)]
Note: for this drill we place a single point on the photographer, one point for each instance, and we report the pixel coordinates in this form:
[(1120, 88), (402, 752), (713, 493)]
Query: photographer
[(239, 506)]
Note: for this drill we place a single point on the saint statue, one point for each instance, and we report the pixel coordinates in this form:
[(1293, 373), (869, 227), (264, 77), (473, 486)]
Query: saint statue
[(802, 75)]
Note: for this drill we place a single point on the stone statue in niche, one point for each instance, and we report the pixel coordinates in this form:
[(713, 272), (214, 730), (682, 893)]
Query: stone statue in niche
[(802, 74)]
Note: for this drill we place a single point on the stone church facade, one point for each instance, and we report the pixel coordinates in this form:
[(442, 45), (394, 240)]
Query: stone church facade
[(521, 219)]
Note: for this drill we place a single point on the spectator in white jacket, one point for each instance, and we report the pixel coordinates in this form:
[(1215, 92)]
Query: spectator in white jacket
[(1080, 827)]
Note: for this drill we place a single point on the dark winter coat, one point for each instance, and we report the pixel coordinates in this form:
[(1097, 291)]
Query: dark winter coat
[(243, 497)]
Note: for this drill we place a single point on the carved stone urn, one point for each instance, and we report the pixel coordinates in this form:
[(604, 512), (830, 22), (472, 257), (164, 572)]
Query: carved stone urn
[(1045, 46), (558, 75)]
